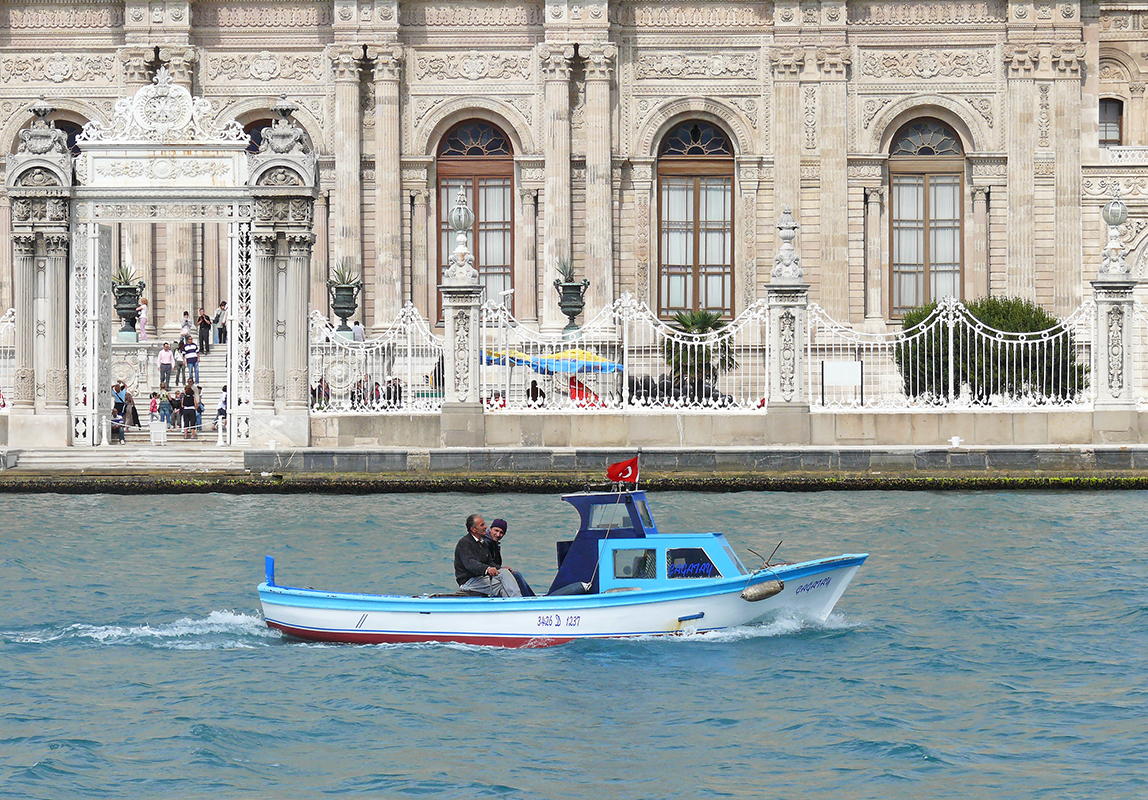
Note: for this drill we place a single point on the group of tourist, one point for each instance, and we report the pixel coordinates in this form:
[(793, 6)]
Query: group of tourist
[(181, 409), (478, 565)]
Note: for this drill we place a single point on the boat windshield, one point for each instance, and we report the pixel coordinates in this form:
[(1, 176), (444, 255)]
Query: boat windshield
[(689, 562), (610, 515), (644, 511)]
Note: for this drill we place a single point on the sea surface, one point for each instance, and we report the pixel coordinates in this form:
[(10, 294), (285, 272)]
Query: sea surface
[(995, 645)]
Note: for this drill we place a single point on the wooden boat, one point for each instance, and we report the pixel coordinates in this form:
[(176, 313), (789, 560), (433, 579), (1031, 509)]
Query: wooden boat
[(618, 577)]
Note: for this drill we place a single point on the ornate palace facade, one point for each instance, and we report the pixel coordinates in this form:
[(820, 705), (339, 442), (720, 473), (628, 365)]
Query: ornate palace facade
[(927, 149)]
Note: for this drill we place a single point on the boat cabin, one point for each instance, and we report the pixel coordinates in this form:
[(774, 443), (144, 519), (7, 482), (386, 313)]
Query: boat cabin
[(618, 548)]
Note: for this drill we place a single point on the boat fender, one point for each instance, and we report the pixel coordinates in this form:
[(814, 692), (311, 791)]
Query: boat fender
[(762, 591)]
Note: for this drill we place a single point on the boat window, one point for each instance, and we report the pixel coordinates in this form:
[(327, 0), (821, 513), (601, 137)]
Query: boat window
[(611, 515), (736, 561), (634, 564), (689, 562), (644, 511)]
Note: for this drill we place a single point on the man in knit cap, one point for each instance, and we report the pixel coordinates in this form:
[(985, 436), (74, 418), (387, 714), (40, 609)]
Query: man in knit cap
[(495, 533)]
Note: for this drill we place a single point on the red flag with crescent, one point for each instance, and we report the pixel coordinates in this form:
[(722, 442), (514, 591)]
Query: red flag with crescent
[(624, 471)]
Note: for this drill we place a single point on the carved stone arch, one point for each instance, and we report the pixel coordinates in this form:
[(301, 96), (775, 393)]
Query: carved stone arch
[(280, 172), (1137, 253), (505, 116), (38, 172), (71, 110), (663, 119), (1117, 66), (966, 123), (245, 111)]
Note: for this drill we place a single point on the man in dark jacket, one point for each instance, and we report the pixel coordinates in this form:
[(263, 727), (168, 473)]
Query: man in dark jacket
[(494, 536), (474, 565)]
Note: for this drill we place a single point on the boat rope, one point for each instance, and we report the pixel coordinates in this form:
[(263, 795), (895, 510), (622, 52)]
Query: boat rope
[(609, 527)]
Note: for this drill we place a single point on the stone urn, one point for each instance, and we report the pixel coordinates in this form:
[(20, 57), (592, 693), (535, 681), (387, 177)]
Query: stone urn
[(571, 296), (127, 291), (344, 288)]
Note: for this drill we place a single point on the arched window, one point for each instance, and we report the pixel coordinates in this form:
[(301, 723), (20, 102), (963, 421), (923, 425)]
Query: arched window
[(695, 220), (926, 173), (1111, 122), (477, 157), (255, 129)]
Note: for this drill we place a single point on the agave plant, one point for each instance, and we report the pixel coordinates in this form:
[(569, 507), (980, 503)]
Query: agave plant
[(566, 272), (125, 275), (344, 275)]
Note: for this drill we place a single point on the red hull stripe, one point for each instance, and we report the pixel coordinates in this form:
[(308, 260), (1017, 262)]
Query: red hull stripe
[(382, 637)]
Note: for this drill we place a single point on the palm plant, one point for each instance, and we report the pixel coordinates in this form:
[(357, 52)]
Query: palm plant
[(696, 360)]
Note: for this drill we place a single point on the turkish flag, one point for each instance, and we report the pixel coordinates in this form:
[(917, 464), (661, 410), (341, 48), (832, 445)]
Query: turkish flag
[(624, 471)]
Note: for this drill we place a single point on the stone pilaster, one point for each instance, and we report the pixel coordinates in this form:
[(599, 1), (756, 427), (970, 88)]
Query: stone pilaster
[(788, 63), (53, 302), (832, 141), (599, 177), (23, 284), (388, 186), (319, 266), (1137, 114), (263, 246), (294, 313), (556, 68), (1020, 63), (420, 266), (140, 255), (346, 198), (6, 274), (1067, 61), (642, 179), (179, 276)]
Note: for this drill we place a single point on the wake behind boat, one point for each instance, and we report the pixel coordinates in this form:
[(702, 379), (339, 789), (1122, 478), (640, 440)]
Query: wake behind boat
[(618, 577)]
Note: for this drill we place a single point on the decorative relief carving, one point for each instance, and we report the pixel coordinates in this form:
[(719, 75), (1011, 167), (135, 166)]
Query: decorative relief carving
[(642, 245), (267, 15), (57, 68), (70, 16), (1112, 71), (1120, 187), (871, 108), (1116, 350), (1044, 168), (267, 66), (699, 65), (473, 66), (1116, 21), (1044, 10), (927, 64), (787, 336), (810, 117), (1044, 117), (163, 169), (424, 105), (883, 12), (469, 16), (747, 106), (688, 15), (983, 106)]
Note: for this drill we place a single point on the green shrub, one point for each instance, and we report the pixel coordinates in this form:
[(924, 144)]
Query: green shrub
[(1001, 362)]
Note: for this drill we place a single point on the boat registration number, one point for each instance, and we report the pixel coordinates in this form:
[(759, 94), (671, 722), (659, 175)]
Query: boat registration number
[(555, 621)]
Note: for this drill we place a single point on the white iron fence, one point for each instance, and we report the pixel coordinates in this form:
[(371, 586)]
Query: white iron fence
[(7, 358), (950, 359), (624, 359), (399, 371)]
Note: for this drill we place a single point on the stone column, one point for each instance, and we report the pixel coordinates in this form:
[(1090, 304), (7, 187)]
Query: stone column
[(977, 241), (53, 343), (1020, 62), (296, 338), (346, 198), (1138, 123), (319, 267), (832, 63), (388, 185), (556, 73), (263, 290), (420, 268), (599, 177), (23, 287), (179, 276), (526, 297), (1067, 61), (745, 279), (874, 262), (141, 257), (6, 275)]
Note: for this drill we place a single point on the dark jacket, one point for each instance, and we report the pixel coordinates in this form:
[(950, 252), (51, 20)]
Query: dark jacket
[(472, 559)]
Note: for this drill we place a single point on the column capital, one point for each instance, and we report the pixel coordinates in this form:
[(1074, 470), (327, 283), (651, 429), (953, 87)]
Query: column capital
[(874, 194), (135, 62), (555, 61), (787, 62), (1067, 59), (1137, 89), (1021, 60), (833, 62), (299, 243), (528, 193), (345, 60), (980, 193), (24, 245), (180, 63), (387, 61), (419, 195), (600, 58)]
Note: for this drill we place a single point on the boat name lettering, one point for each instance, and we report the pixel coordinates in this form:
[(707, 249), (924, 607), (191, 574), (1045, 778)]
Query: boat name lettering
[(809, 587), (705, 570)]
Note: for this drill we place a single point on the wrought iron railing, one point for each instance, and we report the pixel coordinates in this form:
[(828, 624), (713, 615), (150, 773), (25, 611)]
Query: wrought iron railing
[(399, 371), (625, 358), (950, 359)]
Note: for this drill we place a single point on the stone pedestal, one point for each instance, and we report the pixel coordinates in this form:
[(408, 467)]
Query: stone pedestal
[(788, 305), (1112, 382)]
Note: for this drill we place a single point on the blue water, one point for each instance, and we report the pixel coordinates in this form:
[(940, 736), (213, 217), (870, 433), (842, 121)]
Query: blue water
[(995, 645)]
